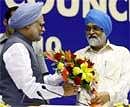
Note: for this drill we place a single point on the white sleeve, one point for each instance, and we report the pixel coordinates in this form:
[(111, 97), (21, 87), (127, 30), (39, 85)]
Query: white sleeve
[(121, 89), (53, 79), (119, 92), (18, 65)]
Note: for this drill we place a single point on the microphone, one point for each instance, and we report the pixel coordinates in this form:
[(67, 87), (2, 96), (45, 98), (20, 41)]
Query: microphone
[(44, 101), (52, 91), (43, 87), (57, 94)]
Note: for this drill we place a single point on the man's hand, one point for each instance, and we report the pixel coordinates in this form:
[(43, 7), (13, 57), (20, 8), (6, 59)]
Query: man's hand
[(101, 98), (70, 89)]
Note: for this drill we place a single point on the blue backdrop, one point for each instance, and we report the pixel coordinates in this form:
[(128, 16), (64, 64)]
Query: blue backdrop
[(65, 26)]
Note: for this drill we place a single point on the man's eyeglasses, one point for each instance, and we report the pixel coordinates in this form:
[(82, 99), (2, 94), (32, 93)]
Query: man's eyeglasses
[(38, 23), (94, 27)]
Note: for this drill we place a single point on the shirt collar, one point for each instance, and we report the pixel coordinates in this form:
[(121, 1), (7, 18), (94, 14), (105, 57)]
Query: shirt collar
[(107, 47)]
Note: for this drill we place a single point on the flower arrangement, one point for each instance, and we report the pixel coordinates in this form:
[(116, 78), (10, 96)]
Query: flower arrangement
[(78, 70)]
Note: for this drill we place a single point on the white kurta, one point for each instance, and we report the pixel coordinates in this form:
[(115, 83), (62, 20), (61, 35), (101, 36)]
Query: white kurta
[(113, 65), (18, 65)]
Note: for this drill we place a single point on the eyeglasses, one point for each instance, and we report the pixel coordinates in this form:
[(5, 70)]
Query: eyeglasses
[(38, 23), (94, 27)]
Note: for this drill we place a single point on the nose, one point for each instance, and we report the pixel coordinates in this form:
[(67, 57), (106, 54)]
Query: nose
[(43, 29), (91, 31)]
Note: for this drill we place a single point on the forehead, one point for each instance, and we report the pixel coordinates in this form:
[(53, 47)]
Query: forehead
[(91, 24), (41, 19)]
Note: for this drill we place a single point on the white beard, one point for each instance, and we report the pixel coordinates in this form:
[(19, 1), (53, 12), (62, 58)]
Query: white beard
[(94, 41)]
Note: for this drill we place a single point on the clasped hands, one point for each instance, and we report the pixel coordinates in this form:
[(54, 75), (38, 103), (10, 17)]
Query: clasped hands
[(70, 89), (100, 99)]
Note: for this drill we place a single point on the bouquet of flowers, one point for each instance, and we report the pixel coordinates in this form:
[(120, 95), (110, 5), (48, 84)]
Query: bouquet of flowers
[(78, 70)]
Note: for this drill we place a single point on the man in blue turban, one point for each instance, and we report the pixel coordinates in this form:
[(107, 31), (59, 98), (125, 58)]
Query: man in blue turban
[(110, 61), (101, 23), (21, 80)]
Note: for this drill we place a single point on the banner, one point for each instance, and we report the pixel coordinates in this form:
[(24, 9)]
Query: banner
[(64, 21)]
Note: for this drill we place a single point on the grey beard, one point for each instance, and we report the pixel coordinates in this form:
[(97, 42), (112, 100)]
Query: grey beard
[(94, 41)]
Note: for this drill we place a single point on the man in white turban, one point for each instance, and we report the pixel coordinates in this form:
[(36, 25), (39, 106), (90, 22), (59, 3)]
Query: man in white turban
[(110, 61), (21, 80)]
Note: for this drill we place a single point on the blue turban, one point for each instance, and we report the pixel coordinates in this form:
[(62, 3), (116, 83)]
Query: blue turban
[(26, 14), (101, 19)]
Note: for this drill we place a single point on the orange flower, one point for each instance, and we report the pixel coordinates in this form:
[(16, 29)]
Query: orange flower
[(95, 105), (65, 74), (80, 61), (68, 56)]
